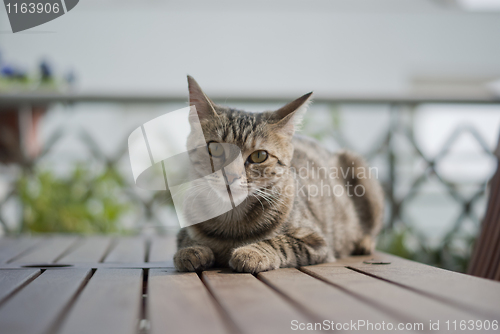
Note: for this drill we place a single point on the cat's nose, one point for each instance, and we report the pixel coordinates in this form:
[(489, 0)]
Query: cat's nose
[(230, 178)]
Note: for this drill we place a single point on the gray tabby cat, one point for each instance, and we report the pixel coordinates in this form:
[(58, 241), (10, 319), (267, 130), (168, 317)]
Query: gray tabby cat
[(296, 213)]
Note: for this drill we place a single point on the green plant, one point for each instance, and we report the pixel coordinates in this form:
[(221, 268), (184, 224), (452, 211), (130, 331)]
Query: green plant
[(405, 242), (83, 202)]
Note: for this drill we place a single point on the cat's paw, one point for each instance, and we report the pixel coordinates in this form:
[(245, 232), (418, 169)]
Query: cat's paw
[(250, 259), (194, 258)]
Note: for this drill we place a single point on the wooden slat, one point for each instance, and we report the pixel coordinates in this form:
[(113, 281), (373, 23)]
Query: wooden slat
[(344, 262), (109, 304), (163, 249), (484, 246), (91, 250), (13, 279), (48, 251), (10, 248), (180, 303), (132, 250), (389, 297), (491, 242), (252, 305), (485, 259), (476, 295), (494, 250), (37, 307), (326, 302)]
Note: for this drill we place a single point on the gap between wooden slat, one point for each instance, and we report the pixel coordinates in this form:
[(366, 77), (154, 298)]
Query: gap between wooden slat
[(48, 251), (127, 249), (89, 250), (254, 306), (110, 303), (144, 323), (440, 299), (26, 251), (111, 246), (400, 316), (36, 308), (300, 308), (163, 249), (419, 308), (69, 249), (230, 324), (148, 249), (20, 287), (59, 320)]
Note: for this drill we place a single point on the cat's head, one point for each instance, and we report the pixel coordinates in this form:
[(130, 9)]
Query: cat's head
[(264, 139)]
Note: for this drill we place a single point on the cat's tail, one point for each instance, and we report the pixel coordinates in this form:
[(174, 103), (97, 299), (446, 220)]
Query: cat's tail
[(361, 182)]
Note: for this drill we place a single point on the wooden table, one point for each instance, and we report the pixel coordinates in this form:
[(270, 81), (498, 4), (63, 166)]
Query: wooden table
[(67, 284)]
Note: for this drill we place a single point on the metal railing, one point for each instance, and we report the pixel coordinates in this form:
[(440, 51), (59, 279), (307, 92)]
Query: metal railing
[(402, 110)]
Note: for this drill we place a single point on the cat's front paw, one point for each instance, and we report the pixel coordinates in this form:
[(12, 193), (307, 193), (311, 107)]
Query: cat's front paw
[(194, 258), (250, 259)]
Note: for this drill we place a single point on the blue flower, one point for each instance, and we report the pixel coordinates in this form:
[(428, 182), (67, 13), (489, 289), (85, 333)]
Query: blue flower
[(45, 70), (8, 71)]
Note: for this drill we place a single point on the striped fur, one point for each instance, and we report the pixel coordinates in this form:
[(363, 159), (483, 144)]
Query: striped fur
[(275, 228)]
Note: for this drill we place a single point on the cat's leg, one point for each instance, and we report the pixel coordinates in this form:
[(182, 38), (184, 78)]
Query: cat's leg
[(191, 256), (299, 248), (368, 199), (365, 246)]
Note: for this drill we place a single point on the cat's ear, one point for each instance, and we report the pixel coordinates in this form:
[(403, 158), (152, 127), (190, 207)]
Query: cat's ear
[(204, 106), (289, 117)]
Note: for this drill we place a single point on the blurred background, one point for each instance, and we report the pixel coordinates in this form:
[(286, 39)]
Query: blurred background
[(413, 85)]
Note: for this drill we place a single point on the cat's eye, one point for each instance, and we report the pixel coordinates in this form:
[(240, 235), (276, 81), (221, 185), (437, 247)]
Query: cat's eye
[(258, 156), (215, 149)]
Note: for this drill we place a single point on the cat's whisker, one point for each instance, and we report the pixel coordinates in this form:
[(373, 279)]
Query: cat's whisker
[(269, 201), (267, 195), (262, 204)]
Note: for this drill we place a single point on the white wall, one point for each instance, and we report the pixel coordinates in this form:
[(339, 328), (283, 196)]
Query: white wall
[(261, 48)]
